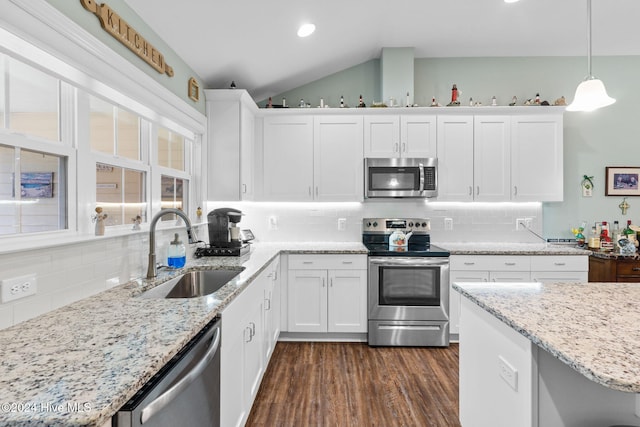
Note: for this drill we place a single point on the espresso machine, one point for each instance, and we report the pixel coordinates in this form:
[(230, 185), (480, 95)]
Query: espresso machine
[(224, 234)]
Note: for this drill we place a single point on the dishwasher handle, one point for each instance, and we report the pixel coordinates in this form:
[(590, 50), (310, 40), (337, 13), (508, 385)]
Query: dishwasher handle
[(165, 398)]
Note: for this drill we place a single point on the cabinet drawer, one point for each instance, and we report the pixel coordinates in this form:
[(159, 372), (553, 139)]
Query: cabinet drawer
[(490, 262), (628, 268), (561, 263), (327, 262)]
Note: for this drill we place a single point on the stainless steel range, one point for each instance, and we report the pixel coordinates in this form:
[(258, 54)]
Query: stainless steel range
[(408, 283)]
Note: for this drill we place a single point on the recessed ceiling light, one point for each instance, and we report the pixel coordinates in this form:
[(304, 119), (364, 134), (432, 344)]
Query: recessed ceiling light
[(306, 30)]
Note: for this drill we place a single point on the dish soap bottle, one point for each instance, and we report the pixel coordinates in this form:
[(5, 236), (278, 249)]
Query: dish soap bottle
[(177, 253)]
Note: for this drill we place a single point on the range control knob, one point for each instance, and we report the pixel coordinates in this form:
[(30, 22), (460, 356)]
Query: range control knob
[(375, 224), (369, 224), (411, 224), (424, 224)]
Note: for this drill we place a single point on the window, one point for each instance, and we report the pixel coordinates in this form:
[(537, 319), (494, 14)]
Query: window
[(114, 130), (173, 194), (120, 192), (32, 194), (33, 101), (171, 148)]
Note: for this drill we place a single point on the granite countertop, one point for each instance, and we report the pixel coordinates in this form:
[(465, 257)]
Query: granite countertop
[(592, 327), (512, 249), (615, 255), (79, 364)]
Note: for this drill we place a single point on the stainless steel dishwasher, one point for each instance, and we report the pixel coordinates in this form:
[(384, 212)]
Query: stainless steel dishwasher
[(186, 391)]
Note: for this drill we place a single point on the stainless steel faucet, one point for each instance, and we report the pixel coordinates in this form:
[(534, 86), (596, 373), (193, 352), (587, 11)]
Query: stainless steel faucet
[(152, 271)]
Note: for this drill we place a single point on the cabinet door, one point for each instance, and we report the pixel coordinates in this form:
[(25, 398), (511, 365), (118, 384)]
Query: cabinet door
[(247, 140), (307, 292), (347, 301), (241, 361), (492, 158), (382, 136), (536, 158), (271, 309), (454, 296), (455, 158), (288, 158), (338, 158), (418, 136)]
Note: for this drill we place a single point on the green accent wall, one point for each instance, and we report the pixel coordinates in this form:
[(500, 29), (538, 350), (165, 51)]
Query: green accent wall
[(177, 84), (592, 141)]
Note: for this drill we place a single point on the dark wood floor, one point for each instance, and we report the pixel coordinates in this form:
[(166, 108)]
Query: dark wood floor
[(352, 384)]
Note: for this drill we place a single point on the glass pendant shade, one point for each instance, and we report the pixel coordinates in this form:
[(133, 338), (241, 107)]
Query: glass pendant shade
[(590, 95)]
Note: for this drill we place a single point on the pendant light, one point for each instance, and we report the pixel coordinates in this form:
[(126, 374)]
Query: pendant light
[(591, 93)]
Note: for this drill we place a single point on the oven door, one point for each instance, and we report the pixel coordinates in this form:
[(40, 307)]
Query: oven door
[(411, 288)]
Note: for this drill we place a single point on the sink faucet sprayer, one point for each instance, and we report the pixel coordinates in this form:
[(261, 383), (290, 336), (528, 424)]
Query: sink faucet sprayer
[(152, 271)]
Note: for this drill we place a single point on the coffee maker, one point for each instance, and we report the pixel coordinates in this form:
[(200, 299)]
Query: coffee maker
[(223, 229)]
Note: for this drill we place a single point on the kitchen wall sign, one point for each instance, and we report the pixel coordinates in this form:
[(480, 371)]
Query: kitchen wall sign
[(119, 29), (622, 181)]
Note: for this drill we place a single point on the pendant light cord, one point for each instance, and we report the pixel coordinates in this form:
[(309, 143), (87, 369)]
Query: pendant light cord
[(590, 76)]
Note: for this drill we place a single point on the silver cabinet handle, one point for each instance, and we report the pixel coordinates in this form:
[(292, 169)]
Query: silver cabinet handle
[(477, 190), (515, 190), (509, 263), (347, 262), (316, 190), (404, 147), (469, 263), (244, 188), (559, 263), (307, 262), (309, 191), (470, 190), (396, 147), (323, 282), (331, 282), (267, 304), (248, 329), (165, 398), (253, 329)]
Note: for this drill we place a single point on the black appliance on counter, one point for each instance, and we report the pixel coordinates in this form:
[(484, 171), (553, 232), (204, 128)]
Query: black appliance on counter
[(408, 286), (225, 237)]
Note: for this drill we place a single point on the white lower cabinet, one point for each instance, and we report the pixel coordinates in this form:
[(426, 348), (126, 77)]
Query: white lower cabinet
[(512, 269), (271, 309), (327, 293), (249, 332)]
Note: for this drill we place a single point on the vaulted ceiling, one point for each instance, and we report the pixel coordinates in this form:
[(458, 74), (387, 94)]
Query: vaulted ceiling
[(254, 42)]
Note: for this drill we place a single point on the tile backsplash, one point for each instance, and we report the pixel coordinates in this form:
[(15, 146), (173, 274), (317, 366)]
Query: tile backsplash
[(70, 272)]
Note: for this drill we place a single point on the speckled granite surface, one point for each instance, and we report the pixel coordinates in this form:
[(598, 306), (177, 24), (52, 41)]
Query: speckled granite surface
[(511, 249), (79, 364), (592, 327), (613, 255)]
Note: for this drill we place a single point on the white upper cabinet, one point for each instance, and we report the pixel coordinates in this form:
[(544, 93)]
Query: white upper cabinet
[(288, 158), (492, 158), (337, 159), (537, 158), (400, 136), (231, 141), (455, 158), (313, 158)]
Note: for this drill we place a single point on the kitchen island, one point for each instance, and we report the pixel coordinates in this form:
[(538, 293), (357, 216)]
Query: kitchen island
[(549, 354), (77, 365)]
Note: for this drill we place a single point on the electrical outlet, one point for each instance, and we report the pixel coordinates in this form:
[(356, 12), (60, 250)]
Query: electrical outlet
[(519, 222), (342, 224), (18, 287), (273, 223), (508, 373), (448, 224), (528, 222)]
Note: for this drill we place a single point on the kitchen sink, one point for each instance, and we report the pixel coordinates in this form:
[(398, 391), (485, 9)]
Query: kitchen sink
[(193, 284)]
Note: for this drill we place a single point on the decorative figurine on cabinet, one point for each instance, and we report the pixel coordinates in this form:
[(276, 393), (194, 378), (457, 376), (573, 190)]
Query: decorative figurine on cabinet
[(454, 97)]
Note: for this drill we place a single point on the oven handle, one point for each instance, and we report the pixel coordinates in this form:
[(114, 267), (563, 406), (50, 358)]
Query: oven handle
[(409, 261), (421, 168)]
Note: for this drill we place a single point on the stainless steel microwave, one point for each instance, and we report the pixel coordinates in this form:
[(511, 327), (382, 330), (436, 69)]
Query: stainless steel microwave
[(401, 177)]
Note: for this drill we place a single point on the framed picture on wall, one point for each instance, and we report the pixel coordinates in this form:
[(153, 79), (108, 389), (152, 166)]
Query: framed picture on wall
[(35, 185), (622, 181)]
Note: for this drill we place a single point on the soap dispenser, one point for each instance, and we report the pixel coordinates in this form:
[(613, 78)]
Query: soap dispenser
[(177, 253)]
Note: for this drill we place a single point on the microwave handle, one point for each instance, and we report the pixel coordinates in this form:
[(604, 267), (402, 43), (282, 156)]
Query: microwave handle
[(421, 168)]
